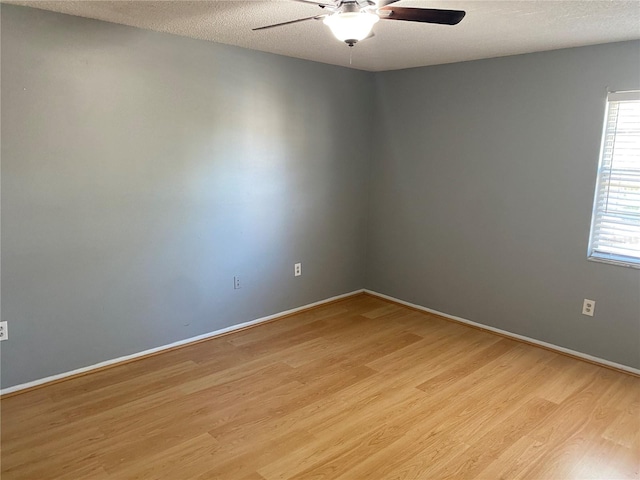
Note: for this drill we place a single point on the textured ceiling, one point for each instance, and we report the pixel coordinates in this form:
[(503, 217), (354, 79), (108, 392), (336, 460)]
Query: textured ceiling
[(490, 29)]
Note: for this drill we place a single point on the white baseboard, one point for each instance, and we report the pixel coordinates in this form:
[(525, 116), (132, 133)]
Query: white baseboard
[(204, 336), (257, 321), (550, 346)]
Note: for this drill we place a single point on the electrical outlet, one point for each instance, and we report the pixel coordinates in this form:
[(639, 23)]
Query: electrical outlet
[(588, 307), (4, 332), (236, 283), (297, 269)]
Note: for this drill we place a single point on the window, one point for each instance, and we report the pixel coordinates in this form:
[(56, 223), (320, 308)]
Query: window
[(615, 224)]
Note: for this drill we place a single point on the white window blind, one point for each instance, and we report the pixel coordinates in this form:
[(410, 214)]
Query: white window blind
[(615, 225)]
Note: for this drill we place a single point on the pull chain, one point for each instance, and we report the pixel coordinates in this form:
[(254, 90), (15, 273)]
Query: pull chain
[(350, 55)]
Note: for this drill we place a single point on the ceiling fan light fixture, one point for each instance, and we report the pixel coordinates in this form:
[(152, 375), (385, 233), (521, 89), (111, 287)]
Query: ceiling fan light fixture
[(351, 27)]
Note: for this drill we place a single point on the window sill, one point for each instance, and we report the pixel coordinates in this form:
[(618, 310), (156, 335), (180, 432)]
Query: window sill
[(620, 262)]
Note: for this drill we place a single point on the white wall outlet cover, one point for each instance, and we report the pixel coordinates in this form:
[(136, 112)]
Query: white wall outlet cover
[(4, 331), (297, 269), (588, 307)]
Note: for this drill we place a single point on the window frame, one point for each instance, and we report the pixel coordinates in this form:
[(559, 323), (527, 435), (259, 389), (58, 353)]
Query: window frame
[(593, 255)]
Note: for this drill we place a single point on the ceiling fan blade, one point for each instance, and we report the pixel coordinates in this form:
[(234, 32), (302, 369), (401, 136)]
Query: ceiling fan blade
[(384, 3), (320, 4), (425, 15), (316, 17)]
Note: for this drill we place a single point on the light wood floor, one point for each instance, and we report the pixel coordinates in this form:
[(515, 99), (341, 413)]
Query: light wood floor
[(359, 389)]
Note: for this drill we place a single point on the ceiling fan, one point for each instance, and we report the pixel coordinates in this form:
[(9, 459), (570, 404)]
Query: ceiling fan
[(352, 20)]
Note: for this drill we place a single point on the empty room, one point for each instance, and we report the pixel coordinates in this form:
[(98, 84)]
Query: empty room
[(296, 239)]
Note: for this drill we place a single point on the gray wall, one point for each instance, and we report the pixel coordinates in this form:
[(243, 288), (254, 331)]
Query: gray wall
[(142, 171), (482, 189)]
